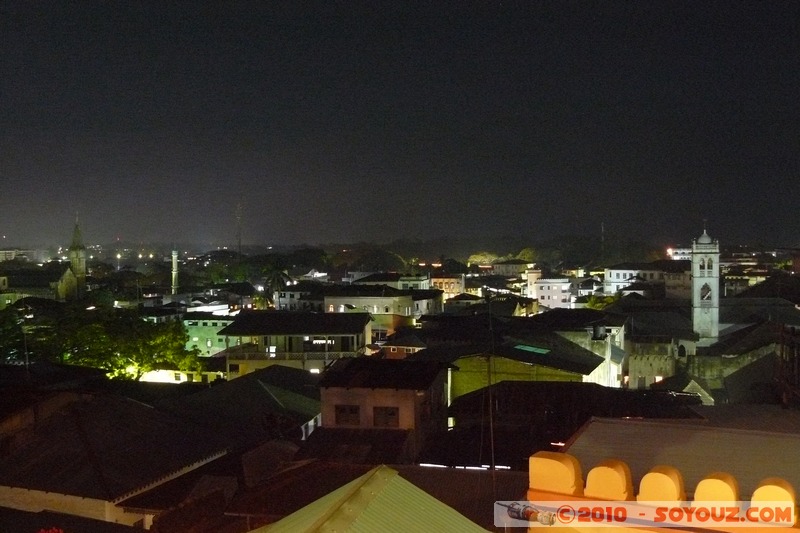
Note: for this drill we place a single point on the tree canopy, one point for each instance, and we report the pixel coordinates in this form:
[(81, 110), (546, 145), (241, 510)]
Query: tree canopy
[(115, 340), (129, 347)]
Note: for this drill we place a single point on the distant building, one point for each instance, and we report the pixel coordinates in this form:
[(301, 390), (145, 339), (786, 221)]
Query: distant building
[(390, 308), (203, 330), (451, 285), (396, 280), (673, 275), (303, 295), (511, 267), (257, 339)]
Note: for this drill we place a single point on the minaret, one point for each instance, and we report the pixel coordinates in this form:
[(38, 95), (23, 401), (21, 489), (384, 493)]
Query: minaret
[(77, 259), (174, 272), (705, 288)]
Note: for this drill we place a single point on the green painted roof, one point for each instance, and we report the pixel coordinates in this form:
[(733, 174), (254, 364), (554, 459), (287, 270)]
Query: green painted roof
[(380, 500)]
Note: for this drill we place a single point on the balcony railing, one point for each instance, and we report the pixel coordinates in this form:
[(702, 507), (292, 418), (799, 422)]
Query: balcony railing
[(290, 356)]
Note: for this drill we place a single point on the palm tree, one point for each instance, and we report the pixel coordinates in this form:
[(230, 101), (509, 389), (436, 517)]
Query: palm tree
[(275, 280)]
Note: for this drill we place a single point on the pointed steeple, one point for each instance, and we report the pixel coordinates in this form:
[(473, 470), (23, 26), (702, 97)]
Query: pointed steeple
[(77, 240)]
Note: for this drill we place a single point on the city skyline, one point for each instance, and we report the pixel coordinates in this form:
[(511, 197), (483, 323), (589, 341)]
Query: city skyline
[(382, 121)]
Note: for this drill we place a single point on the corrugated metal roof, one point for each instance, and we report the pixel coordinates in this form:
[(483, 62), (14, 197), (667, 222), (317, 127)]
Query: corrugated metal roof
[(380, 500), (695, 449), (106, 448)]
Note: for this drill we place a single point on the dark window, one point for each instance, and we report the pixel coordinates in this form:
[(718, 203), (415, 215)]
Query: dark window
[(348, 415), (233, 367), (386, 417)]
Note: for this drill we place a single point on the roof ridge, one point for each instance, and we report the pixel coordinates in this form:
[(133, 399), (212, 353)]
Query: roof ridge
[(373, 482)]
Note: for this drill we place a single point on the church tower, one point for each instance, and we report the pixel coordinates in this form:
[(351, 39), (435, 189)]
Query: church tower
[(705, 288), (77, 260)]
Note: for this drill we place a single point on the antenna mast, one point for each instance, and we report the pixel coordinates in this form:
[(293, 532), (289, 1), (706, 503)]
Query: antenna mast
[(239, 229)]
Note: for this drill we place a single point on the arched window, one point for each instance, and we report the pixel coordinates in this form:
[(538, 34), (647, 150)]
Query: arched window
[(681, 351), (709, 264), (702, 264)]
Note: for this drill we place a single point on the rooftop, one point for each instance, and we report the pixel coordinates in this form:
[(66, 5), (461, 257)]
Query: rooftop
[(296, 323), (106, 448), (371, 373)]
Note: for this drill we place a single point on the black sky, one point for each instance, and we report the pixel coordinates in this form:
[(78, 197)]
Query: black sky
[(344, 121)]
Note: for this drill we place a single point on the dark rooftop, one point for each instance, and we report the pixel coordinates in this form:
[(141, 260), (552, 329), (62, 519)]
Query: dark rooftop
[(105, 447), (296, 323), (371, 373)]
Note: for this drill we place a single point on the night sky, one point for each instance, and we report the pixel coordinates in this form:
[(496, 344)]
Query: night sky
[(347, 121)]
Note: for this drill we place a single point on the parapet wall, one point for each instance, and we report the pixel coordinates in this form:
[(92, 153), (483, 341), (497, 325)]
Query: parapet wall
[(559, 476)]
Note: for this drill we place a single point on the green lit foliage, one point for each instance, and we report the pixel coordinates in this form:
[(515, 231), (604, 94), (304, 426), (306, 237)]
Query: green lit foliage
[(527, 254), (128, 347), (601, 302), (482, 258)]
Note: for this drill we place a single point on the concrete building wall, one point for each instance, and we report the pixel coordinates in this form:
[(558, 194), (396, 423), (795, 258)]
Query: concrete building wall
[(35, 501), (367, 399)]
